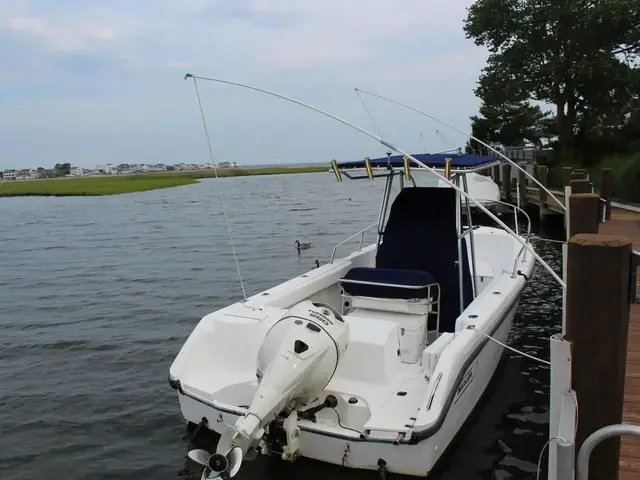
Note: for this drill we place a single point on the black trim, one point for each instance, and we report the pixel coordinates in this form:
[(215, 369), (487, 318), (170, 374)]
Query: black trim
[(417, 436), (175, 384)]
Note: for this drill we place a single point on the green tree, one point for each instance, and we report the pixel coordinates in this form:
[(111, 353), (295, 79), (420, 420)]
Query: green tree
[(62, 169), (574, 54), (509, 124)]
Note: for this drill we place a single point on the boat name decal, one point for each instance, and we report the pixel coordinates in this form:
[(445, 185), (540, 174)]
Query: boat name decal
[(466, 381)]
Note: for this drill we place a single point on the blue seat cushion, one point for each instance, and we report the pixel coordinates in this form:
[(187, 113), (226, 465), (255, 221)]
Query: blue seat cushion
[(410, 283)]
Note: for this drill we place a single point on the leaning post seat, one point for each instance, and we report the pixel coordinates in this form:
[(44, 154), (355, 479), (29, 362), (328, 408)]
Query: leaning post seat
[(419, 247), (388, 283)]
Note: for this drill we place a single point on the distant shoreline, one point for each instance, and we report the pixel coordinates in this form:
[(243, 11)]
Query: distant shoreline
[(137, 182)]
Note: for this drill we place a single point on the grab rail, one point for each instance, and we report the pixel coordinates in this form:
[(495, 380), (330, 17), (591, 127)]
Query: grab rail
[(517, 209), (594, 440), (522, 251), (361, 233)]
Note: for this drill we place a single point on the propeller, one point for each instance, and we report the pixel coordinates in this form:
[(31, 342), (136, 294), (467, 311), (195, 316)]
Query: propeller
[(218, 465), (199, 456)]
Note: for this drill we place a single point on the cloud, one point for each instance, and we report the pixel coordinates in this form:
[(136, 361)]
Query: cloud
[(80, 74)]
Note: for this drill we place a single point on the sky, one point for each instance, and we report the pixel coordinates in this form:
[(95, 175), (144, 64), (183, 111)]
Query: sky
[(92, 82)]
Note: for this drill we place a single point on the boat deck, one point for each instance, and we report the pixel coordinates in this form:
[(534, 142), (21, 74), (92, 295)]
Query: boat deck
[(627, 223)]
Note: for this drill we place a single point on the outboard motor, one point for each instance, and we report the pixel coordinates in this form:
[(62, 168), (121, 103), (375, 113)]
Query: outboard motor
[(296, 361)]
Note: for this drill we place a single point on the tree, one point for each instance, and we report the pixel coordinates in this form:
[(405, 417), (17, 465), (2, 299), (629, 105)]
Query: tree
[(573, 54), (62, 169), (509, 124)]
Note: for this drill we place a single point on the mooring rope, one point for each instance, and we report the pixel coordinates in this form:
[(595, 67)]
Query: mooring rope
[(215, 171), (549, 240), (545, 362)]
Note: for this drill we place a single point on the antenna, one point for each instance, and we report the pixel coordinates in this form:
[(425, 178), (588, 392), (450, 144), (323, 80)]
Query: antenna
[(398, 150), (368, 113), (444, 140), (215, 171), (468, 135)]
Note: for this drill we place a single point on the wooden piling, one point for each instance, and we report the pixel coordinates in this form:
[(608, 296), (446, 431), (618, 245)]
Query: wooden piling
[(577, 176), (506, 184), (584, 210), (522, 181), (542, 178), (606, 189), (597, 323), (580, 186), (496, 174), (566, 176)]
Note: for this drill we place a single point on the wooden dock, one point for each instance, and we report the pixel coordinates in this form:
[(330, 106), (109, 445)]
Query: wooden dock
[(627, 223), (550, 205), (624, 221)]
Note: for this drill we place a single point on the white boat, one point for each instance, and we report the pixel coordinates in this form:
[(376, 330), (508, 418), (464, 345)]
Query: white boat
[(372, 361)]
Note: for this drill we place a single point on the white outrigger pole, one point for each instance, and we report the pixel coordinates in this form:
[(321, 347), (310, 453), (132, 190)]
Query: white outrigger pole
[(389, 145), (504, 157)]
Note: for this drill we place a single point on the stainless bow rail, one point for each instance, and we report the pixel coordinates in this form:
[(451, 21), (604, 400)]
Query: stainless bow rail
[(361, 233)]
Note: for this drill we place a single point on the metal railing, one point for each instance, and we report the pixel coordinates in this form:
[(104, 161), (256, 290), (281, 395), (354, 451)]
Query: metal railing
[(594, 440), (361, 233), (522, 251), (603, 218)]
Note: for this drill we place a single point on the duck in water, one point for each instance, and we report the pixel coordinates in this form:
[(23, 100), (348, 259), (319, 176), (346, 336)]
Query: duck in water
[(302, 246)]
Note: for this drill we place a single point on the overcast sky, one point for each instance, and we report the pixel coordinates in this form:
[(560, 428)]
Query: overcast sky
[(91, 82)]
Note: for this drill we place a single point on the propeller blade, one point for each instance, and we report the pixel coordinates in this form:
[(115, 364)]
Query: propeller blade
[(235, 460), (199, 456)]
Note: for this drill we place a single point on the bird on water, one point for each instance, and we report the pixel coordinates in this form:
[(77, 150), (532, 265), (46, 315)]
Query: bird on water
[(302, 246)]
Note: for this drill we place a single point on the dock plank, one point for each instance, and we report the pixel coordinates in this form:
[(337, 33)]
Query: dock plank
[(628, 224)]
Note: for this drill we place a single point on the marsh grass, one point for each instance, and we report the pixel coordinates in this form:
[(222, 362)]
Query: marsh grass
[(117, 185)]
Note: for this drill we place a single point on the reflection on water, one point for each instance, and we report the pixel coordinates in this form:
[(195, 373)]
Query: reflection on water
[(97, 295)]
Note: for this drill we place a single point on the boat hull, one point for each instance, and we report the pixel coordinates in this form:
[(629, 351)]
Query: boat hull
[(416, 458)]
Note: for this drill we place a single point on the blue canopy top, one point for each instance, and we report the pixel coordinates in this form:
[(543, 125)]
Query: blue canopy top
[(433, 160)]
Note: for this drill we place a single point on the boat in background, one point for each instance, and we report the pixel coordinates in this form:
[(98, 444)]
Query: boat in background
[(375, 360)]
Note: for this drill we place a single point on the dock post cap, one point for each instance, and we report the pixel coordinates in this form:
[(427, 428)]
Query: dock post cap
[(598, 240)]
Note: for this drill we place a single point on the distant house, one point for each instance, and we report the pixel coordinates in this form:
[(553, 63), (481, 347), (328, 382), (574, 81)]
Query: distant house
[(78, 172), (9, 175), (159, 167), (224, 165), (108, 169), (23, 174)]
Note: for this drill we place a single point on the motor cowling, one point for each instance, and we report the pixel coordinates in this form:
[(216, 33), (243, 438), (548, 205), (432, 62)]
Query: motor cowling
[(296, 361), (302, 351)]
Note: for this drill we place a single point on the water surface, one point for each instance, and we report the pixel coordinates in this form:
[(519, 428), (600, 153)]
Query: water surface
[(98, 294)]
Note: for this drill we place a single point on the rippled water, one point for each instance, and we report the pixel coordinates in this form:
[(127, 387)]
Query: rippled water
[(97, 295)]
